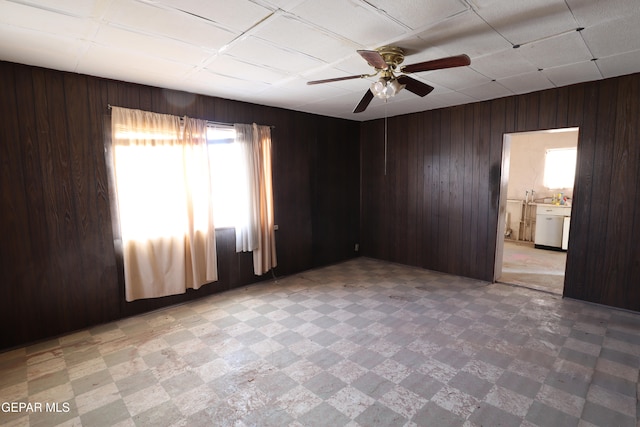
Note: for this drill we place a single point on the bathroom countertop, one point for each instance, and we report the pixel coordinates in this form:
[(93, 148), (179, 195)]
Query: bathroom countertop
[(550, 204)]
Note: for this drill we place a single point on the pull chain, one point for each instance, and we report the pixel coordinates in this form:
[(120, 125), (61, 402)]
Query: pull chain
[(385, 137)]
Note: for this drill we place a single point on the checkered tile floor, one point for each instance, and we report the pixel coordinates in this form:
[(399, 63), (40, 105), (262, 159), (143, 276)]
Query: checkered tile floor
[(362, 343)]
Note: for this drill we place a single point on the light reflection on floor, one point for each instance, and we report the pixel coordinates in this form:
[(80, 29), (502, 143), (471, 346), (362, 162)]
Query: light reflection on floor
[(527, 266)]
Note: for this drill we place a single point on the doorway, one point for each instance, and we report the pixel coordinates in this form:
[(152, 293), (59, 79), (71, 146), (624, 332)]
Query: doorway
[(524, 193)]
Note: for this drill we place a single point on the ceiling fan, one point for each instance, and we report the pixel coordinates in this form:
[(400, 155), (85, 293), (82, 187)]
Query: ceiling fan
[(386, 60)]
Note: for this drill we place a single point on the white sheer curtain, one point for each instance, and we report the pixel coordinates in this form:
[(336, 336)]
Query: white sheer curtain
[(256, 231), (164, 202)]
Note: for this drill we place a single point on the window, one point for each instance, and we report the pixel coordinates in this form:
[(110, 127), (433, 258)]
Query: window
[(228, 180), (560, 168), (176, 180), (165, 207)]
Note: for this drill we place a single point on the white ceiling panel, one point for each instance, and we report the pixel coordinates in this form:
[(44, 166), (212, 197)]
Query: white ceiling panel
[(297, 35), (523, 22), (352, 65), (589, 13), (619, 65), (525, 83), (418, 13), (61, 53), (369, 29), (45, 21), (283, 4), (487, 91), (229, 66), (618, 36), (324, 106), (451, 98), (148, 45), (316, 92), (168, 24), (465, 33), (573, 73), (265, 51), (281, 96), (553, 52), (132, 67), (409, 104), (243, 15), (215, 83), (502, 64), (83, 9), (456, 78)]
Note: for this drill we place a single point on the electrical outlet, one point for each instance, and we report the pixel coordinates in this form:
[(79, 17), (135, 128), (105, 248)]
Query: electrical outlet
[(356, 247), (276, 227)]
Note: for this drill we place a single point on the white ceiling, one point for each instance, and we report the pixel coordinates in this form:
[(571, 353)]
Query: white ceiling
[(264, 51)]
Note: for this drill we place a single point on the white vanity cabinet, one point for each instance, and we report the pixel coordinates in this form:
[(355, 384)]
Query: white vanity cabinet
[(551, 230)]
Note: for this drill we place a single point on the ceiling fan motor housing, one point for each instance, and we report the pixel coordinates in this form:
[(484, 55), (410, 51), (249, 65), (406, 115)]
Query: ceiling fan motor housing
[(392, 55)]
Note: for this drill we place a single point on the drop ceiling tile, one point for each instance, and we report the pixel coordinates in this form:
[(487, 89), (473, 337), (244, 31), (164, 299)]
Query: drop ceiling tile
[(243, 15), (296, 93), (464, 33), (128, 66), (353, 64), (214, 84), (416, 13), (595, 12), (281, 96), (557, 51), (45, 21), (369, 28), (286, 5), (337, 106), (487, 91), (57, 52), (124, 40), (450, 99), (457, 78), (614, 37), (573, 73), (145, 18), (261, 52), (619, 65), (298, 89), (287, 31), (525, 83), (502, 64), (406, 105), (522, 22), (68, 7), (229, 66)]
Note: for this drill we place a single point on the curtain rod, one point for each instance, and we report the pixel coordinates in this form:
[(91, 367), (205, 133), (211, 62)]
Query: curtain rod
[(212, 122)]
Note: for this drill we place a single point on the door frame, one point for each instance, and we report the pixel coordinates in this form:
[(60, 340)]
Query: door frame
[(502, 205), (502, 198)]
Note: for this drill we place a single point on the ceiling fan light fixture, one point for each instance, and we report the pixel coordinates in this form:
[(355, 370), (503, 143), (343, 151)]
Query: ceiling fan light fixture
[(385, 88), (385, 60)]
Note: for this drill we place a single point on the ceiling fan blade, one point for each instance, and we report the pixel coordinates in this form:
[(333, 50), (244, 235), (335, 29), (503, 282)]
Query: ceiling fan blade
[(374, 59), (364, 102), (336, 79), (437, 64), (415, 86)]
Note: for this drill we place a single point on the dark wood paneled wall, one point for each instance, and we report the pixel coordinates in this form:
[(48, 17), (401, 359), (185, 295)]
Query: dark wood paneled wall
[(437, 206), (59, 269)]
